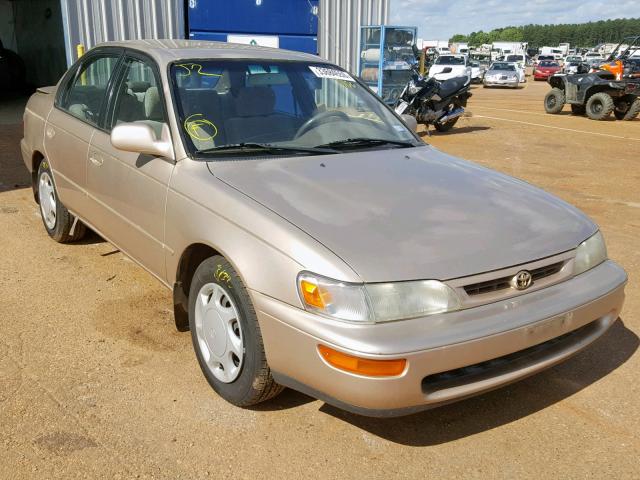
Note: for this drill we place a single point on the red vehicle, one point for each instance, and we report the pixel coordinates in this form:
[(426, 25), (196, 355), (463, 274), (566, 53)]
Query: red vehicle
[(545, 69)]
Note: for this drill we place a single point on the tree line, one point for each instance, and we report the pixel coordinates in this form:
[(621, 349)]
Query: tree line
[(577, 34)]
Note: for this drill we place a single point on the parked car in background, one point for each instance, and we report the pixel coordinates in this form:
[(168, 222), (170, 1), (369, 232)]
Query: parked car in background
[(545, 69), (477, 71), (450, 66), (573, 59), (299, 253), (502, 74), (594, 62), (545, 58), (575, 67)]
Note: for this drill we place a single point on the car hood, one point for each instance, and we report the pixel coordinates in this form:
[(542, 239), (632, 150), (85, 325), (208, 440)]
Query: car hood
[(406, 214), (439, 68)]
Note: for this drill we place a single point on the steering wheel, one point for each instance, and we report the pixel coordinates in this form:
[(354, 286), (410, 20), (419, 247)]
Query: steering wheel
[(320, 119)]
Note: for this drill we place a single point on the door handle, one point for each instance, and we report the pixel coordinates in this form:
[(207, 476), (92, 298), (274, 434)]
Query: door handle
[(95, 159)]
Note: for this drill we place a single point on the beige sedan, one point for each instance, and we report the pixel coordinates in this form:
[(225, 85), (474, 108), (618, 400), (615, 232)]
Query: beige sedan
[(310, 238)]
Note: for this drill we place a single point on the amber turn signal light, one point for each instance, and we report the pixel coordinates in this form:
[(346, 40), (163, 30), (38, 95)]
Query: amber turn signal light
[(362, 366), (314, 294)]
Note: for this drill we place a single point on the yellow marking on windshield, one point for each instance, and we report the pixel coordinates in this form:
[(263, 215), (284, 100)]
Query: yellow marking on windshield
[(200, 128), (195, 67)]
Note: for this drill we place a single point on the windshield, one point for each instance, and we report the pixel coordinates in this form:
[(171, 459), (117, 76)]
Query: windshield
[(548, 64), (449, 60), (503, 66), (574, 59), (278, 103), (514, 58), (545, 57)]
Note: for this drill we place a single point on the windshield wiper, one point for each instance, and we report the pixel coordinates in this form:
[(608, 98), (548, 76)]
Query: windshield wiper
[(264, 147), (365, 142)]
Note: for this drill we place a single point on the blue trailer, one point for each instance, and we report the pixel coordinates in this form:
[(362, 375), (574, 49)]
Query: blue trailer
[(288, 24)]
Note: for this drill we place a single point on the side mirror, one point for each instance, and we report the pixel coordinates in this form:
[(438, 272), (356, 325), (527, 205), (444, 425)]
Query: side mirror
[(139, 137), (410, 122), (447, 70)]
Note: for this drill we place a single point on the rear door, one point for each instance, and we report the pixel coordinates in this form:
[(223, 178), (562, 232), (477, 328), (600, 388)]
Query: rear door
[(79, 108), (128, 190)]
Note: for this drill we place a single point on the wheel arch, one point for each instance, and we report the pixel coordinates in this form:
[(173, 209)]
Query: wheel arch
[(36, 159), (557, 82)]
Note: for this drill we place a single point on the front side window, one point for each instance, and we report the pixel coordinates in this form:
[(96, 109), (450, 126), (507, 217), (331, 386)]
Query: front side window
[(138, 97), (85, 96), (294, 105)]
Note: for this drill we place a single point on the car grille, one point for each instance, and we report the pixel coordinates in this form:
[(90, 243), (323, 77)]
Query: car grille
[(497, 284)]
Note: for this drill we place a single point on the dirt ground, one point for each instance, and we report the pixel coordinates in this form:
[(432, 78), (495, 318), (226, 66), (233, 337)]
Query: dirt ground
[(95, 382)]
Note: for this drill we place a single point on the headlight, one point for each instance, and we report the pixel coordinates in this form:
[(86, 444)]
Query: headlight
[(376, 302), (590, 253), (413, 88)]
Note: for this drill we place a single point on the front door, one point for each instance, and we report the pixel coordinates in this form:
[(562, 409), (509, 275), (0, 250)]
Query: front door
[(129, 190)]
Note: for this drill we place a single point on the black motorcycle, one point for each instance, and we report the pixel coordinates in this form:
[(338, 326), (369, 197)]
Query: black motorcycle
[(434, 102)]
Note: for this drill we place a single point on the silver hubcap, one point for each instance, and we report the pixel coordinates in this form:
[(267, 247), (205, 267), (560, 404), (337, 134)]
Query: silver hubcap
[(47, 196), (219, 332)]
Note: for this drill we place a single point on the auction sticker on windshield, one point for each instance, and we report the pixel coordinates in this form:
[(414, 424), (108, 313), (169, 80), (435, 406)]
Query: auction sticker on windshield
[(325, 72)]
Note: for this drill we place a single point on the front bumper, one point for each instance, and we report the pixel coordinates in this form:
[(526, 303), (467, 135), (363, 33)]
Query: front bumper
[(586, 305), (501, 83)]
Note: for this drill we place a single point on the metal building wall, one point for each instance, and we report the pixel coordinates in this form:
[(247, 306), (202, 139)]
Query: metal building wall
[(89, 22), (339, 28)]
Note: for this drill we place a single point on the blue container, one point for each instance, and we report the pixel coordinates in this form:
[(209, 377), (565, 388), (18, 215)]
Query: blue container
[(289, 24)]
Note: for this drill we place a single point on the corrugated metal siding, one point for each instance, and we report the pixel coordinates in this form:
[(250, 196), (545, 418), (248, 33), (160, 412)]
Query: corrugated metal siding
[(339, 28), (89, 22)]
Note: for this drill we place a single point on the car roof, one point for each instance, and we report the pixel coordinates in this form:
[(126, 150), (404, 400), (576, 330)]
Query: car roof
[(166, 51)]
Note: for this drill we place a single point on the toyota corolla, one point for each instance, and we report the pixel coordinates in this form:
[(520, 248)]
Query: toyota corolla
[(309, 237)]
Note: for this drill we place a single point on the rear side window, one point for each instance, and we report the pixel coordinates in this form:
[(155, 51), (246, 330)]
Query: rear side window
[(85, 95)]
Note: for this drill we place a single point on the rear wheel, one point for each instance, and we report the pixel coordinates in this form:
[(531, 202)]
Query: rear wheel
[(445, 127), (554, 101), (56, 218), (600, 106), (578, 109), (226, 335)]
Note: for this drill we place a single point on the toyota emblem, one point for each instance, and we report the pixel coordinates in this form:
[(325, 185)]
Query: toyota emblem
[(522, 280)]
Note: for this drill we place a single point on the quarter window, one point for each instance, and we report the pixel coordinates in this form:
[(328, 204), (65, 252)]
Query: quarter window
[(85, 97)]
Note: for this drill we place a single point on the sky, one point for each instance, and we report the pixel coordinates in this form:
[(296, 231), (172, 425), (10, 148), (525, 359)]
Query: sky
[(441, 19)]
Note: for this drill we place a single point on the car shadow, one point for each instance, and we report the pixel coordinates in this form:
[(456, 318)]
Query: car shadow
[(13, 173), (453, 131), (508, 404)]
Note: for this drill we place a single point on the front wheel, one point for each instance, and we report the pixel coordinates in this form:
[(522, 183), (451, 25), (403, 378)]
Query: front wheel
[(554, 101), (226, 335), (56, 218), (600, 106)]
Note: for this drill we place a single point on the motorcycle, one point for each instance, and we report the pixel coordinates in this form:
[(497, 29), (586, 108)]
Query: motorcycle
[(434, 102)]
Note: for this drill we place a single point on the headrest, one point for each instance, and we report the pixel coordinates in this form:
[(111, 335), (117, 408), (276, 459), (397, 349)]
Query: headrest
[(138, 87), (255, 101), (152, 105)]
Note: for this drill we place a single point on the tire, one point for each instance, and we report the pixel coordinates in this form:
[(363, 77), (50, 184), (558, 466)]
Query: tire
[(220, 307), (578, 109), (445, 127), (56, 218), (600, 106), (630, 113), (554, 101)]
